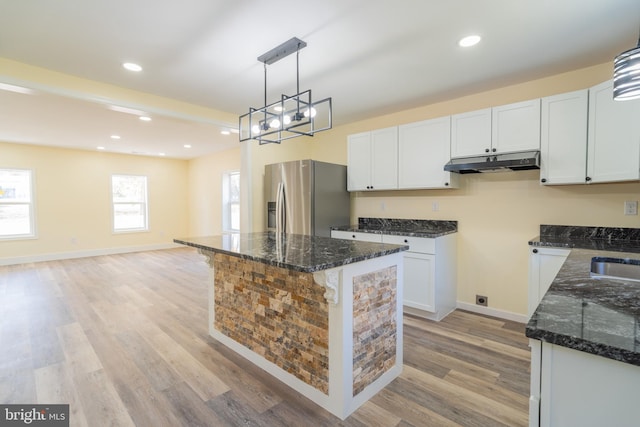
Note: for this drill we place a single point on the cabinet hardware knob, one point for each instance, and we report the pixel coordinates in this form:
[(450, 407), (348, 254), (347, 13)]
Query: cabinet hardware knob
[(354, 236), (446, 184), (535, 251), (494, 150), (486, 150), (406, 241), (543, 180), (588, 179)]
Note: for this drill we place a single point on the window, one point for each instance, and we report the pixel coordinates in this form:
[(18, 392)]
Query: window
[(129, 195), (16, 204), (231, 201)]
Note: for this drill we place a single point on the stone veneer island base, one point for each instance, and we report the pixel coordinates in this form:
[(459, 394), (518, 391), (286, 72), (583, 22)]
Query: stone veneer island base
[(322, 315)]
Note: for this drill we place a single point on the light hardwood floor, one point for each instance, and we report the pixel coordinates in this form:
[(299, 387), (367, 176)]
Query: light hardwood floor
[(123, 340)]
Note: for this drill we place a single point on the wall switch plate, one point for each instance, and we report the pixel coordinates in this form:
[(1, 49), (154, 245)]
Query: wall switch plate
[(631, 207)]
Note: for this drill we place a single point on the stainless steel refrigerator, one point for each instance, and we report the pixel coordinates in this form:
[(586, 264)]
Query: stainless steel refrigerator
[(306, 197)]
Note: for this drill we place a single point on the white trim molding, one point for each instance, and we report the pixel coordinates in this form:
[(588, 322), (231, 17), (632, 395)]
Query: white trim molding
[(84, 254), (502, 314)]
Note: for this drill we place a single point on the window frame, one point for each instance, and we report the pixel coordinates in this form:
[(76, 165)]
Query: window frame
[(227, 204), (33, 234), (145, 205)]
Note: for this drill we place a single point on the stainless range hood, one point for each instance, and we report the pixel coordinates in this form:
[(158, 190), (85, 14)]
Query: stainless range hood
[(495, 163)]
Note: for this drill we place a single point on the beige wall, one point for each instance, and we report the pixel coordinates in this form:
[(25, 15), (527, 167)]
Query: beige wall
[(205, 191), (497, 213), (73, 200)]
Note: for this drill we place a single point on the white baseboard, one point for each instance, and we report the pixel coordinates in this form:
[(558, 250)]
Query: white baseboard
[(84, 254), (502, 314)]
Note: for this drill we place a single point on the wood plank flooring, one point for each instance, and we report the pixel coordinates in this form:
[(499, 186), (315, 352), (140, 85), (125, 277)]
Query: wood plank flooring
[(123, 340)]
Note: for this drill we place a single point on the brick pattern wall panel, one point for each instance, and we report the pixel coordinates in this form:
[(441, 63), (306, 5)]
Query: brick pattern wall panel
[(374, 326), (278, 313)]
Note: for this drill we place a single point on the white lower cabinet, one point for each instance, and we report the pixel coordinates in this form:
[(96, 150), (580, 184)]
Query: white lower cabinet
[(544, 264), (572, 388), (429, 284), (419, 281)]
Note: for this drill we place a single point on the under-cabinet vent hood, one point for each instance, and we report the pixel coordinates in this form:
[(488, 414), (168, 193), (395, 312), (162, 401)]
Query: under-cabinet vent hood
[(495, 163)]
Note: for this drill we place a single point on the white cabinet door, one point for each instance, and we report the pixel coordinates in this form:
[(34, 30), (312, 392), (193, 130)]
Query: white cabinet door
[(563, 147), (373, 160), (423, 150), (471, 133), (614, 137), (384, 159), (544, 264), (515, 127), (419, 281), (359, 161), (584, 390)]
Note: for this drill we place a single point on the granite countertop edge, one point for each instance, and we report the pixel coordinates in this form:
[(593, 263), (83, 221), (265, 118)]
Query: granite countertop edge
[(385, 249), (390, 232), (572, 284)]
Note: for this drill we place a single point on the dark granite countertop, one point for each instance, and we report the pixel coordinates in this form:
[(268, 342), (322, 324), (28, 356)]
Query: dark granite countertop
[(596, 315), (292, 251), (402, 227)]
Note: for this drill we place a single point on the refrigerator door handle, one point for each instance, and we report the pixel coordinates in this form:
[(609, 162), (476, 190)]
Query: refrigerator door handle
[(280, 212)]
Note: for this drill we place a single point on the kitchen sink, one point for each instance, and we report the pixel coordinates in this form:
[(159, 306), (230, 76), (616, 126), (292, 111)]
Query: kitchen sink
[(616, 268)]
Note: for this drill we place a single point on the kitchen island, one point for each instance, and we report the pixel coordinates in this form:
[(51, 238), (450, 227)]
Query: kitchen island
[(322, 315), (585, 333)]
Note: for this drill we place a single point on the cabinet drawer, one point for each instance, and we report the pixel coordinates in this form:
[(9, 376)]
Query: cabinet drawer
[(352, 235), (416, 244)]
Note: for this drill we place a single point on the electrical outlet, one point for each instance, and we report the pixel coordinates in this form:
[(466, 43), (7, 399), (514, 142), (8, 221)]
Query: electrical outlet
[(631, 207), (482, 300), (435, 207)]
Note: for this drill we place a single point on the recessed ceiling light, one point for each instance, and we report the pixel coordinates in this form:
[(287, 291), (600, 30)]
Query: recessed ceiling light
[(469, 41), (100, 148), (115, 136), (187, 145), (126, 110), (234, 130), (145, 118), (132, 67), (225, 132), (161, 154)]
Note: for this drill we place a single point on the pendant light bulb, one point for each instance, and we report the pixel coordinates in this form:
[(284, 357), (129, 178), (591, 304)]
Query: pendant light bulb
[(313, 112)]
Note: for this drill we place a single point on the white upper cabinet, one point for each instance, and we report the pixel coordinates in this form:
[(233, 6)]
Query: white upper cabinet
[(424, 149), (613, 138), (373, 160), (471, 133), (563, 144), (516, 127), (504, 129)]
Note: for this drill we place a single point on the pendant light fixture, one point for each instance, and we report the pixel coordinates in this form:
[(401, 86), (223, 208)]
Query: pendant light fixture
[(291, 116), (626, 75)]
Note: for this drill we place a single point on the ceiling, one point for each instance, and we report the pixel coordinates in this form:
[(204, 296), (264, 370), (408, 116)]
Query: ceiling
[(372, 57)]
